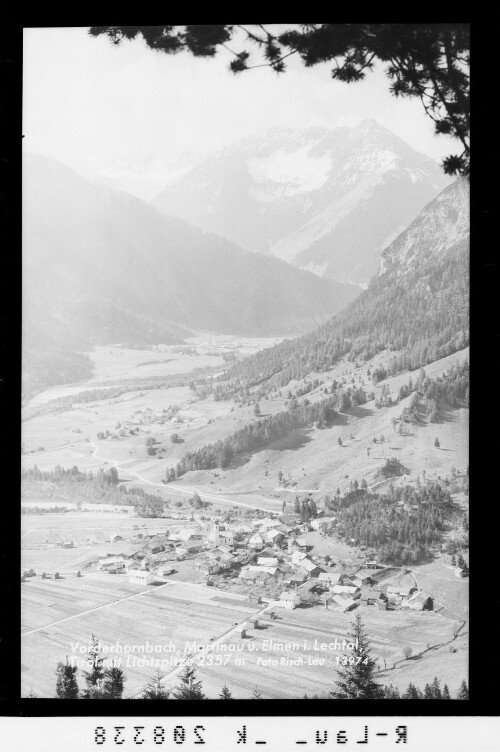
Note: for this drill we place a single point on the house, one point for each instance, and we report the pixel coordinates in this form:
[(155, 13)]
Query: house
[(256, 541), (68, 544), (419, 602), (288, 599), (330, 579), (115, 537), (297, 544), (267, 561), (310, 567), (343, 601), (298, 556), (369, 595), (141, 577), (188, 548), (275, 536), (362, 577)]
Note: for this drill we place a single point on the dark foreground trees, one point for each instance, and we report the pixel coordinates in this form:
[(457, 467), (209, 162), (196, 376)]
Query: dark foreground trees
[(357, 679)]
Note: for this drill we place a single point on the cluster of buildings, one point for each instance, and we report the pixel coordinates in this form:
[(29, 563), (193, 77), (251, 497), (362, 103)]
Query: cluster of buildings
[(270, 558)]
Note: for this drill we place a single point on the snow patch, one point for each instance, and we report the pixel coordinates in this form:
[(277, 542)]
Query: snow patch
[(291, 172)]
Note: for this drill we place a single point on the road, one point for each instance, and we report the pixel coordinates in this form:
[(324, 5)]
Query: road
[(185, 489)]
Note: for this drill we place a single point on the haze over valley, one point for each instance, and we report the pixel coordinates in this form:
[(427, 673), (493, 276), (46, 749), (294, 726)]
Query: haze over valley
[(245, 396)]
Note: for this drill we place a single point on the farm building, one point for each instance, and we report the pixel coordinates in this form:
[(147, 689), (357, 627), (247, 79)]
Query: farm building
[(351, 590), (419, 602), (372, 596), (310, 567), (297, 544), (275, 536), (297, 578), (141, 577), (115, 537), (189, 547), (112, 562), (362, 577), (343, 601), (289, 599)]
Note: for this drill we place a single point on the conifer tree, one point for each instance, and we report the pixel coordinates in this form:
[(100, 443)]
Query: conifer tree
[(446, 693), (153, 689), (189, 688), (436, 443), (357, 680), (436, 689), (66, 684), (95, 676), (114, 680), (225, 694), (463, 692), (256, 694)]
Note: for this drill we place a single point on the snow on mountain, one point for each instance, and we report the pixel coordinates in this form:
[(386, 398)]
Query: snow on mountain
[(327, 200)]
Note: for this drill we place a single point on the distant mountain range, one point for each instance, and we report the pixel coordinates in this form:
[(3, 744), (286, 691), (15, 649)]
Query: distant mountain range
[(417, 306), (326, 200), (101, 266)]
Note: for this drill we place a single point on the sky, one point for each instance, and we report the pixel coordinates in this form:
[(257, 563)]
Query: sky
[(90, 104)]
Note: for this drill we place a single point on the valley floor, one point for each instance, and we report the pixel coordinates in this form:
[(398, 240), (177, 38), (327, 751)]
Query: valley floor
[(58, 613)]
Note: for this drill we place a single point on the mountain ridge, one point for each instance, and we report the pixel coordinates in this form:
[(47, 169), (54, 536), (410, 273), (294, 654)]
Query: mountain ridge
[(327, 200)]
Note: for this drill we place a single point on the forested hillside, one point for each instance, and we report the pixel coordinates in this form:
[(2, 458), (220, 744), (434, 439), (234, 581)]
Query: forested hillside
[(418, 310)]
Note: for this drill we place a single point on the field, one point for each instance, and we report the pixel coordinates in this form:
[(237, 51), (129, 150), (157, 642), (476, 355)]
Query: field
[(58, 614)]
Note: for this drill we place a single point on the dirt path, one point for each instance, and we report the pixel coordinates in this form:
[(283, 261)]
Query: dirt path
[(211, 646), (183, 489)]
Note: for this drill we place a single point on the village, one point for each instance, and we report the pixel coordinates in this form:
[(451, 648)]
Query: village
[(270, 559)]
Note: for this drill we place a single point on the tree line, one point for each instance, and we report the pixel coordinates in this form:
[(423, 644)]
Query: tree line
[(257, 435), (417, 324), (74, 485)]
